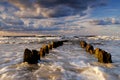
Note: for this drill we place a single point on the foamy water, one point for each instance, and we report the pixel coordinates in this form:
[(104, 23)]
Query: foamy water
[(67, 62)]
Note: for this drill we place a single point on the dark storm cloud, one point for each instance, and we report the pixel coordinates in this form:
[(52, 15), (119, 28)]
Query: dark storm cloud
[(55, 8)]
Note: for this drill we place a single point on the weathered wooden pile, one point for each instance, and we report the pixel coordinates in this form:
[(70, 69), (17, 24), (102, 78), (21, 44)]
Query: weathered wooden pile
[(34, 56), (101, 55)]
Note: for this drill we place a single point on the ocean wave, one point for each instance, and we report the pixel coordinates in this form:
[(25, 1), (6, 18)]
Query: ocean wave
[(105, 38), (67, 62), (23, 40)]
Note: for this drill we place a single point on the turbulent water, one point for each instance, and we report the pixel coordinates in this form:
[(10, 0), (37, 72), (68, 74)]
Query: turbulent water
[(67, 62)]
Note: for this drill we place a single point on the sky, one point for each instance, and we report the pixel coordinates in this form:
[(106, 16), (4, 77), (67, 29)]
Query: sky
[(56, 14), (63, 8), (112, 9)]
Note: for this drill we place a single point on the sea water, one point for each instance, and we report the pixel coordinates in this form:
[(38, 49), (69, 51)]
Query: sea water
[(67, 62)]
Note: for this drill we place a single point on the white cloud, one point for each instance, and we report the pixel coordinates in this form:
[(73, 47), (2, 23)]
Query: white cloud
[(106, 21), (55, 8)]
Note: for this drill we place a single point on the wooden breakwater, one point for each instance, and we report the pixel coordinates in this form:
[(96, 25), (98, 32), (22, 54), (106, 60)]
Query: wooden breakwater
[(101, 55), (34, 56)]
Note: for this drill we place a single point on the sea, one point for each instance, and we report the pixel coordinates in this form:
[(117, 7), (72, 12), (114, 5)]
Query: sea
[(66, 62)]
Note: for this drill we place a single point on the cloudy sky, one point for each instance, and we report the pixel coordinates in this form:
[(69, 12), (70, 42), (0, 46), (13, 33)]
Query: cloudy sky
[(56, 14), (62, 8)]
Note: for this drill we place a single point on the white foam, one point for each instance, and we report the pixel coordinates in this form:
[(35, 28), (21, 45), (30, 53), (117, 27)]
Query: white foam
[(94, 73), (105, 38), (3, 70), (19, 40), (80, 64)]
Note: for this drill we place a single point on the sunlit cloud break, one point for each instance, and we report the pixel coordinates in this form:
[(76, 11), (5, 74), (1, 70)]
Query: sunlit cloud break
[(55, 8)]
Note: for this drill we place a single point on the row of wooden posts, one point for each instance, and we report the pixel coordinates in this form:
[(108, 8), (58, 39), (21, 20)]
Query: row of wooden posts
[(101, 55), (34, 56)]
